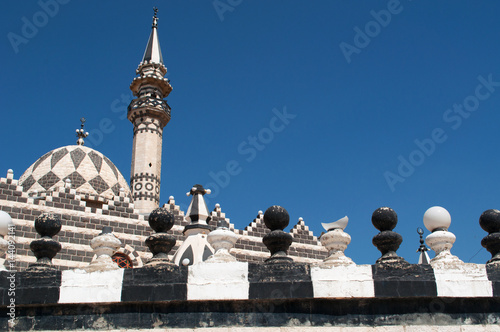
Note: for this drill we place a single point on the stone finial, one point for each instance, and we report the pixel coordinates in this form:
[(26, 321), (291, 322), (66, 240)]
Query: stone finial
[(423, 258), (277, 241), (437, 220), (387, 242), (47, 225), (67, 184), (336, 241), (222, 239), (197, 213), (160, 243), (81, 133), (490, 222), (5, 223), (10, 174), (105, 245)]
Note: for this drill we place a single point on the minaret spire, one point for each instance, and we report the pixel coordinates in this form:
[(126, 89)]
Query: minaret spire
[(149, 113), (153, 51)]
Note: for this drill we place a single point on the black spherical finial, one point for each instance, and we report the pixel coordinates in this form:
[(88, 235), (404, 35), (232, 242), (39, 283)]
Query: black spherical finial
[(160, 243), (47, 224), (384, 219), (490, 221), (44, 249), (277, 241), (387, 241), (276, 217), (161, 220)]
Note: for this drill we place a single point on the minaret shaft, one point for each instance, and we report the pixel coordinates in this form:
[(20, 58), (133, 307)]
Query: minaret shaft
[(149, 114), (145, 177)]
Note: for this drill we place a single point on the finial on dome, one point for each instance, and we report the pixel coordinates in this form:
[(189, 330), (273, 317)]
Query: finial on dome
[(81, 133), (155, 18)]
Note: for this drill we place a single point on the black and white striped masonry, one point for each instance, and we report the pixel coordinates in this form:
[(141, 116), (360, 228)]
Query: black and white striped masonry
[(75, 296), (390, 292), (247, 281)]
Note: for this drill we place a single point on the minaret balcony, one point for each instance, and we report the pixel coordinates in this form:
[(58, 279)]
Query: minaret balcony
[(149, 106)]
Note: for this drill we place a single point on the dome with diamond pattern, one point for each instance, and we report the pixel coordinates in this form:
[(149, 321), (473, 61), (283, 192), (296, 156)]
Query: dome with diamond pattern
[(90, 172)]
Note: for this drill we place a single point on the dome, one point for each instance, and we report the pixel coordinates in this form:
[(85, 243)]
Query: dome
[(90, 172)]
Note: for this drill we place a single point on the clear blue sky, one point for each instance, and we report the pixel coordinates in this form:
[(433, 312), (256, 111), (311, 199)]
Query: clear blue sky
[(356, 104)]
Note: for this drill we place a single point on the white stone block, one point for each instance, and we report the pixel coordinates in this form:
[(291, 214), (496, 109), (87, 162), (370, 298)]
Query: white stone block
[(343, 281), (463, 280), (218, 281), (78, 286)]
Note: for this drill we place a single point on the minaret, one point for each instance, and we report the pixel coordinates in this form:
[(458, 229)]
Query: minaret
[(149, 113)]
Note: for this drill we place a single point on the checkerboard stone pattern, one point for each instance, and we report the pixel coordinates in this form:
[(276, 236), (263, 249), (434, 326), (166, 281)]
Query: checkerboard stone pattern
[(255, 294), (90, 173)]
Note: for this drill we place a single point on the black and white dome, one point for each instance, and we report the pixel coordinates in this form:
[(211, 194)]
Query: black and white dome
[(90, 172)]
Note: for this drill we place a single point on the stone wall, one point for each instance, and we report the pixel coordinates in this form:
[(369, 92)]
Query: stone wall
[(83, 217), (266, 297)]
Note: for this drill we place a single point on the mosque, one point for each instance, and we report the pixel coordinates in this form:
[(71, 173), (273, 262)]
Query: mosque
[(95, 251)]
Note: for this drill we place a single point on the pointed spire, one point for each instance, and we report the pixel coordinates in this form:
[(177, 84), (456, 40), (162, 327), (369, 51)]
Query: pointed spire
[(423, 257), (153, 50), (197, 213)]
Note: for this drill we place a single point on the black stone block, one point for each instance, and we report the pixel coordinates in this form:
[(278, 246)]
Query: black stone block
[(38, 287), (279, 281), (161, 283), (493, 272), (403, 280)]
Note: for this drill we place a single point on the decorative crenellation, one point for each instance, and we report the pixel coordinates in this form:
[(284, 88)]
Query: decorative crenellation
[(218, 216), (302, 234), (174, 209), (256, 227)]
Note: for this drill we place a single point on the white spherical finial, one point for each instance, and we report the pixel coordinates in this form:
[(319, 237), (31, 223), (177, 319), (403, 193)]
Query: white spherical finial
[(217, 205), (5, 222), (301, 219), (260, 212), (208, 191), (171, 198), (437, 217), (186, 261)]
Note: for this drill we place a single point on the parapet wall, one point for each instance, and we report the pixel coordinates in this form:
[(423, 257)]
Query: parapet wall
[(286, 297)]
